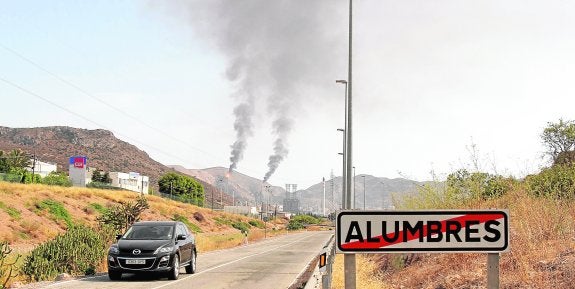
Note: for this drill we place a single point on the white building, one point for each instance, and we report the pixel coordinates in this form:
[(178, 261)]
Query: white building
[(130, 181), (41, 168), (241, 210)]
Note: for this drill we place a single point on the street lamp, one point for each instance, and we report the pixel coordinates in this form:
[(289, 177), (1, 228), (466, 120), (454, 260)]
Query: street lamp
[(353, 186), (382, 195), (363, 176), (343, 174)]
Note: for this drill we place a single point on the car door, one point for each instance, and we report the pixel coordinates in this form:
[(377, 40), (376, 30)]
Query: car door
[(185, 245)]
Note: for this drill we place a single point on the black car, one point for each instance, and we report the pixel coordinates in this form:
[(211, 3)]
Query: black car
[(161, 247)]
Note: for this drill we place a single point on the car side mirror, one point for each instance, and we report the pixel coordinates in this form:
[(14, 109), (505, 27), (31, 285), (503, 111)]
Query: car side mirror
[(118, 237), (181, 237)]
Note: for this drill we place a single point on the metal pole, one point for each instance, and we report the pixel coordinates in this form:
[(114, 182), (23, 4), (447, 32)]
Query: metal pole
[(363, 192), (353, 188), (493, 271), (349, 259)]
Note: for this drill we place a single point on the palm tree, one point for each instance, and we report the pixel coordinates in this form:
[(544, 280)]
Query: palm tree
[(17, 160)]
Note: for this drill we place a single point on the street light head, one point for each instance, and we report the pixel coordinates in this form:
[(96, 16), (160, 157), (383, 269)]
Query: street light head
[(340, 129), (341, 81)]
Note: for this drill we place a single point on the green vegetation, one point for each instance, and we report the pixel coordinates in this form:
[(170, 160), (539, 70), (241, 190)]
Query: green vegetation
[(557, 182), (301, 221), (78, 251), (57, 210), (242, 226), (191, 226), (7, 269), (559, 138), (257, 223), (99, 208), (57, 179), (11, 211), (185, 188), (99, 177), (223, 221), (121, 216)]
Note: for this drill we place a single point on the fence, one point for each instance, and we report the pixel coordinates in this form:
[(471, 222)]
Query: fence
[(197, 202)]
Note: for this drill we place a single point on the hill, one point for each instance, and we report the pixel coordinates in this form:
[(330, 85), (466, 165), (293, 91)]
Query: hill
[(243, 187), (31, 214), (380, 192), (104, 151)]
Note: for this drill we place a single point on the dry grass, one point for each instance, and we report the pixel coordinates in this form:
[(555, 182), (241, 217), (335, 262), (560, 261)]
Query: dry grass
[(542, 253), (35, 226)]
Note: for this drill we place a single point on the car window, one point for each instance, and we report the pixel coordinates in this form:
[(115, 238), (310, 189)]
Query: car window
[(149, 232), (181, 230)]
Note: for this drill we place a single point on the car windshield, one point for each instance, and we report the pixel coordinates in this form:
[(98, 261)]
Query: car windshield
[(149, 232)]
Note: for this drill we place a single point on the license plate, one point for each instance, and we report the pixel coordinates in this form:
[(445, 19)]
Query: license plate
[(135, 261)]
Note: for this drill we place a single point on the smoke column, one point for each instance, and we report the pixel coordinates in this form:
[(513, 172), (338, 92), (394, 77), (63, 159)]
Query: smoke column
[(277, 51), (243, 127)]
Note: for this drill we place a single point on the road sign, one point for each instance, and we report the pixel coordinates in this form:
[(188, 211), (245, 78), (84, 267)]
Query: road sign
[(454, 231)]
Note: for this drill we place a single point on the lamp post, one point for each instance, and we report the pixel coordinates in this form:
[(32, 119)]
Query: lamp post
[(349, 259), (382, 195), (363, 192), (343, 174), (353, 186)]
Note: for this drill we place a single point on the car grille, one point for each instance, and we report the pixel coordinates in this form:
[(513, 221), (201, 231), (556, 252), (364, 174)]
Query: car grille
[(129, 252), (149, 263)]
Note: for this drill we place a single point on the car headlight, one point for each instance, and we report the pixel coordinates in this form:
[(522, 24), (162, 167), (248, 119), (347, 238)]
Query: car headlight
[(165, 249), (114, 250)]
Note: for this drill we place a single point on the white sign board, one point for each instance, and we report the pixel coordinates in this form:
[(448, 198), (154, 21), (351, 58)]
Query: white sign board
[(451, 231)]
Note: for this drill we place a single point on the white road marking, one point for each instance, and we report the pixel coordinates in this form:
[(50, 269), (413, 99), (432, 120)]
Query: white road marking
[(228, 263)]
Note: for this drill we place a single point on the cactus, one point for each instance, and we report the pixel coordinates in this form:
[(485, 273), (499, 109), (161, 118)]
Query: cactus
[(75, 252)]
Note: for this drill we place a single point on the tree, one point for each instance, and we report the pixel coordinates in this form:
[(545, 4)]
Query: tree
[(182, 186), (4, 168), (559, 137), (96, 176)]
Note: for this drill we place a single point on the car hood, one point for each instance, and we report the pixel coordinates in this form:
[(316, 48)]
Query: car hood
[(124, 245)]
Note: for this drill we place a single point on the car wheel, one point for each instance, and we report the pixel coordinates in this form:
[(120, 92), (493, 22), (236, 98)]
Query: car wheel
[(175, 272), (113, 275), (191, 268)]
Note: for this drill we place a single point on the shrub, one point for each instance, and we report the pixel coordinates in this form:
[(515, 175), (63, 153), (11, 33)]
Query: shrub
[(7, 269), (556, 182), (123, 215), (257, 224), (300, 221), (243, 227), (57, 179), (78, 251), (476, 185)]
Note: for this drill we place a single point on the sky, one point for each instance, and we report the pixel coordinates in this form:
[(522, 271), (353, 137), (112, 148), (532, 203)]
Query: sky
[(436, 84)]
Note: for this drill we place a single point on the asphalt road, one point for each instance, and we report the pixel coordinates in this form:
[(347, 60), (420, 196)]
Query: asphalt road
[(273, 263)]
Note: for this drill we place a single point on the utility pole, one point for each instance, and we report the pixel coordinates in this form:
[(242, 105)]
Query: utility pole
[(363, 192), (323, 202), (349, 259)]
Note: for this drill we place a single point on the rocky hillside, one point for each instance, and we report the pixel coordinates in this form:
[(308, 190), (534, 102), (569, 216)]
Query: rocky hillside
[(244, 187), (104, 151)]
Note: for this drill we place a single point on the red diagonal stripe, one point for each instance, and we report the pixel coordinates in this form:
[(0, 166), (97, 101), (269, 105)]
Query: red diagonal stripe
[(382, 243)]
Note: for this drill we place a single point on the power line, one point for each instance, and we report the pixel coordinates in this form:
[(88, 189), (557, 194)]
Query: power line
[(19, 55), (102, 101), (85, 118)]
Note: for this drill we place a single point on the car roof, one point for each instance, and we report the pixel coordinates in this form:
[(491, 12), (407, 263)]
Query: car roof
[(156, 223)]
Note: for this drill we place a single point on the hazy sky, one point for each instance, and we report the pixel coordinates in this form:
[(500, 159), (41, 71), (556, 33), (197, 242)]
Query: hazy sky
[(431, 78)]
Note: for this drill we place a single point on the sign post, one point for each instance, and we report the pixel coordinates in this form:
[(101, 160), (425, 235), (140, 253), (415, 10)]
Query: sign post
[(438, 231)]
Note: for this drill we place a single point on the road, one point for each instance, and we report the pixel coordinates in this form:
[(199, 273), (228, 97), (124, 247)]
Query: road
[(273, 263)]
